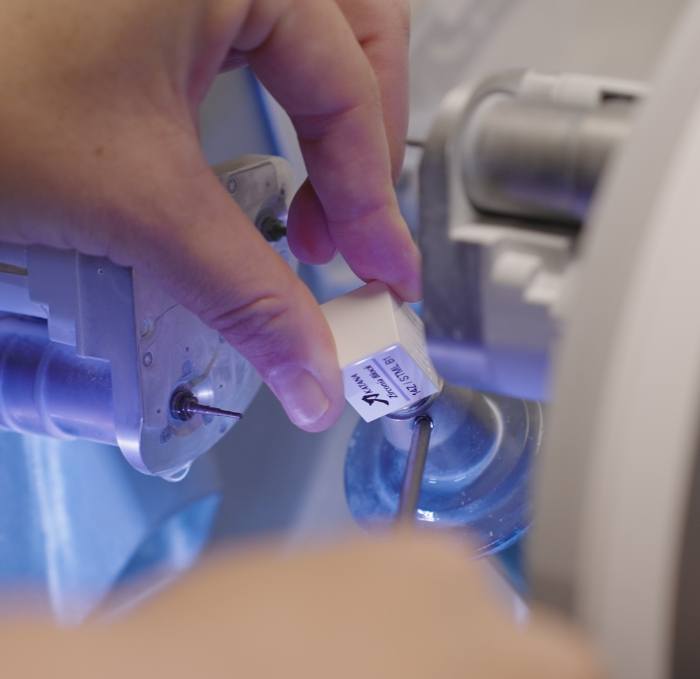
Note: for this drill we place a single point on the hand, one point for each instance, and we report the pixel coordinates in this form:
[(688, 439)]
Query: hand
[(99, 152), (405, 608)]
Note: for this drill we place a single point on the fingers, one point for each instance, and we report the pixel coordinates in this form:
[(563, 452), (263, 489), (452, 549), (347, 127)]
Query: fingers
[(309, 239), (139, 192), (119, 184), (382, 29), (309, 58)]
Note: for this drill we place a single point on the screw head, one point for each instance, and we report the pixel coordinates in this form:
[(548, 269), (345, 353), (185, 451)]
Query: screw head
[(273, 229)]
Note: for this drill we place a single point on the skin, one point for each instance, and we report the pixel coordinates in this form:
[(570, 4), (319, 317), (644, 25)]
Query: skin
[(99, 152), (407, 608)]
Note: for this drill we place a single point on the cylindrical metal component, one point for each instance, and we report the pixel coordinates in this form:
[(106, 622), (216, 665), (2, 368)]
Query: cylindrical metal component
[(446, 409), (184, 405), (539, 160), (415, 465), (45, 388)]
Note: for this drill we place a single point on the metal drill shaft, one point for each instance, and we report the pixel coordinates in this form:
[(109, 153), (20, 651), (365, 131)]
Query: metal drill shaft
[(201, 409), (415, 465), (184, 405)]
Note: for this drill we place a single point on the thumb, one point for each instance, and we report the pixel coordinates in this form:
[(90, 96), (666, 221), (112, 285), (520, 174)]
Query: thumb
[(208, 255)]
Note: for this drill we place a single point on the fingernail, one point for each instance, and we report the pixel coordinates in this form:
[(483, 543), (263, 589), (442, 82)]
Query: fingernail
[(301, 395)]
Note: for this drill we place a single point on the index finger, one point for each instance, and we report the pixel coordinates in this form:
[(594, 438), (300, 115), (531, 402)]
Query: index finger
[(307, 55), (382, 28)]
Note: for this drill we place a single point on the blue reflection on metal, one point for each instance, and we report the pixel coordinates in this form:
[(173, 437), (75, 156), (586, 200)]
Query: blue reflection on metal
[(76, 521), (48, 388), (476, 474)]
